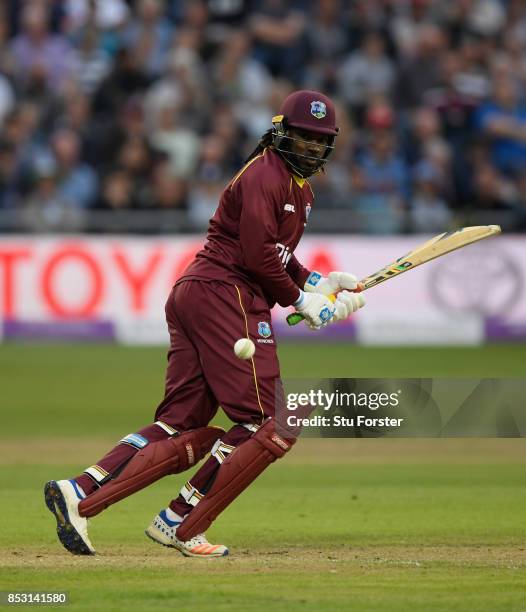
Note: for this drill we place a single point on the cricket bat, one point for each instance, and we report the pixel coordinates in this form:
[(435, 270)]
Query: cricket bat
[(436, 247)]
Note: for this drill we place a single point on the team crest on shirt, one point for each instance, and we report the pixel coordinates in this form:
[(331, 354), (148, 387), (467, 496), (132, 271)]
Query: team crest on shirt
[(318, 109), (264, 329)]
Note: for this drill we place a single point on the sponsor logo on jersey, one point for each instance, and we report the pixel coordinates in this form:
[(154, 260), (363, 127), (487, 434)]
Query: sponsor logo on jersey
[(264, 329), (284, 253), (318, 109), (289, 208)]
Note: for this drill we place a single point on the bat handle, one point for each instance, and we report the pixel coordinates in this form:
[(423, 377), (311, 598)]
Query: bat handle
[(296, 317)]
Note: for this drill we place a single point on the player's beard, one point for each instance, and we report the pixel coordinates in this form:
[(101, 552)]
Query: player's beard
[(300, 164)]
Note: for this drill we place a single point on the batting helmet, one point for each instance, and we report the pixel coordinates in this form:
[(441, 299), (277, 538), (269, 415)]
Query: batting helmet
[(311, 111)]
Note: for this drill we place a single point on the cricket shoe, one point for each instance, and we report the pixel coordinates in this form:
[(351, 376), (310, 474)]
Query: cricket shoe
[(62, 498), (162, 530)]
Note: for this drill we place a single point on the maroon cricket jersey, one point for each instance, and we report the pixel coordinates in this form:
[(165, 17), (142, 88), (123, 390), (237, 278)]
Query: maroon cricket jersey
[(252, 236)]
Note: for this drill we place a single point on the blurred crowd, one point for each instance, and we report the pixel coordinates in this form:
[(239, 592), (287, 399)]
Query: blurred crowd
[(152, 105)]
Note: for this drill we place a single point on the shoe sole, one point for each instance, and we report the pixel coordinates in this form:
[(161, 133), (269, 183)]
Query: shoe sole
[(153, 537), (183, 551), (67, 534)]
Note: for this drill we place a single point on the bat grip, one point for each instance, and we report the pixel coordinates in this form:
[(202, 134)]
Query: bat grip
[(296, 317)]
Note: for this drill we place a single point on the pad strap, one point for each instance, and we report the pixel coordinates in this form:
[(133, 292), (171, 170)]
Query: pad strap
[(190, 494), (220, 451), (135, 440), (98, 474), (167, 428)]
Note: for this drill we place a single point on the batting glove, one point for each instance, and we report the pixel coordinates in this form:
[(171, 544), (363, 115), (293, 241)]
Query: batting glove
[(347, 303), (317, 309), (331, 284)]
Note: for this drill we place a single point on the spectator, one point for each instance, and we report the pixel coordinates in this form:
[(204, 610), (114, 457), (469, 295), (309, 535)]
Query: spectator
[(421, 73), (429, 211), (227, 128), (9, 187), (334, 189), (521, 202), (105, 31), (428, 144), (37, 50), (109, 14), (77, 117), (327, 42), (108, 134), (226, 18), (89, 63), (170, 135), (516, 28), (384, 169), (7, 98), (149, 36), (382, 178), (21, 131), (76, 181), (245, 84), (455, 103), (492, 191), (409, 18), (46, 209), (486, 17), (472, 79), (239, 78), (204, 195), (502, 119), (452, 100), (367, 15), (169, 192), (137, 158), (364, 74), (183, 84), (117, 191), (196, 19), (124, 81), (278, 29)]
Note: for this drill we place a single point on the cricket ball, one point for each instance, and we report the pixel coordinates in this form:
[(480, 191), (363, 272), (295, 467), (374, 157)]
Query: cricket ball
[(244, 348)]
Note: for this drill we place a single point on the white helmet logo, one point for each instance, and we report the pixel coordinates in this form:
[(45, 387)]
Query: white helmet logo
[(318, 109)]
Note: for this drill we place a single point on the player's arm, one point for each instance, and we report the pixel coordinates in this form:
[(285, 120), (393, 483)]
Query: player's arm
[(297, 272), (258, 234)]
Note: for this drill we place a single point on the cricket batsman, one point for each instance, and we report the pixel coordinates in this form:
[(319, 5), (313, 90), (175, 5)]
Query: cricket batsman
[(226, 293)]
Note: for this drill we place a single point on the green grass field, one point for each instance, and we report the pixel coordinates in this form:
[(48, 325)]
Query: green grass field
[(378, 524)]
